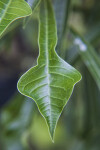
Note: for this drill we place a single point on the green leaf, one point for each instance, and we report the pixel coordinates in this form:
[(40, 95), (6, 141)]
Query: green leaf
[(33, 5), (89, 56), (61, 11), (93, 34), (11, 10), (51, 82), (13, 122)]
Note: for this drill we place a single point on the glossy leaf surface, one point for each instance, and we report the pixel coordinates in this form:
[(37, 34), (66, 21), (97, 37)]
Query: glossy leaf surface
[(51, 82), (11, 10)]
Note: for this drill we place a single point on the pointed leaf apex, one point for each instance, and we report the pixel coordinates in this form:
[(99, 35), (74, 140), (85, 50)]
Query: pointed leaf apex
[(52, 131)]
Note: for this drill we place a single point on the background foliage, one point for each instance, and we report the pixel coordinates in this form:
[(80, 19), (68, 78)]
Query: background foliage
[(21, 127)]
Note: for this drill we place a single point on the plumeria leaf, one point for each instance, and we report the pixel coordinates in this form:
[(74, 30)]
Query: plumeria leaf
[(50, 83)]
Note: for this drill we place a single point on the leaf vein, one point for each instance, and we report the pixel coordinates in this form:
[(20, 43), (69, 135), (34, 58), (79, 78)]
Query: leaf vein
[(56, 73)]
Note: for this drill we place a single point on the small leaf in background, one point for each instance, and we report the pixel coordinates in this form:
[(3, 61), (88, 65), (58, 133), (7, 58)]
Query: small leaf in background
[(50, 83), (15, 121), (11, 10)]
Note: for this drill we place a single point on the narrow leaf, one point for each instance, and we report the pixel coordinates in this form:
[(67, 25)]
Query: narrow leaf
[(11, 10), (61, 9), (51, 82), (35, 4), (93, 34), (89, 56)]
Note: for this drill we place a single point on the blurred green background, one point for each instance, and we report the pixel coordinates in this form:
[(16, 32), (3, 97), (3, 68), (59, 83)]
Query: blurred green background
[(21, 125)]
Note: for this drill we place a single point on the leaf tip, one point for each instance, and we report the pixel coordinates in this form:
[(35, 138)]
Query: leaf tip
[(52, 135), (52, 131)]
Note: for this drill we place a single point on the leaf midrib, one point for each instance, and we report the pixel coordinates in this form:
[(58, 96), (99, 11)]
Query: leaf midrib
[(47, 62)]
